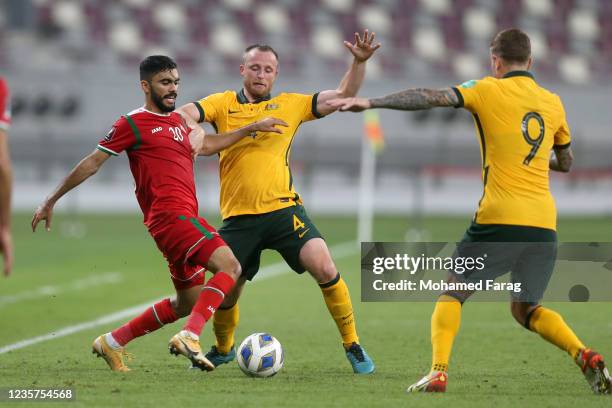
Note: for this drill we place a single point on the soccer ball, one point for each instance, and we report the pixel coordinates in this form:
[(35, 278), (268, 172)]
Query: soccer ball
[(260, 355)]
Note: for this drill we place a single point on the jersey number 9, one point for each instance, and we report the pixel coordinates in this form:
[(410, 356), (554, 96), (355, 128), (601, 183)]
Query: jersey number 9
[(533, 142)]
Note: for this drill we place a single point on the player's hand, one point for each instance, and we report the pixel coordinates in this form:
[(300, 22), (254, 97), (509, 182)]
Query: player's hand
[(267, 125), (364, 48), (350, 104), (196, 139), (43, 212), (6, 248)]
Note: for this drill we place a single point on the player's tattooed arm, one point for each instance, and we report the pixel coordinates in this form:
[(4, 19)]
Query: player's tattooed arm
[(562, 159), (410, 99), (416, 99)]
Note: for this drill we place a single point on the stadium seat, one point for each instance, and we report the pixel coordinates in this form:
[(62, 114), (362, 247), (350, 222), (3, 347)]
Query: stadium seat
[(538, 8), (327, 42), (583, 24), (68, 14), (436, 7), (227, 40), (125, 38), (574, 69), (479, 23), (429, 43), (375, 18), (272, 18), (467, 66), (340, 6), (170, 16)]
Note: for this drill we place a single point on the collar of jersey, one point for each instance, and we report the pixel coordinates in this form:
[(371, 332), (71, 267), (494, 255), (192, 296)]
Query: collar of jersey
[(243, 99), (519, 73), (154, 113)]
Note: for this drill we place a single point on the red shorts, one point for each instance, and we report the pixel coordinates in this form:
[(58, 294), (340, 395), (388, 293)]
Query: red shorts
[(179, 240)]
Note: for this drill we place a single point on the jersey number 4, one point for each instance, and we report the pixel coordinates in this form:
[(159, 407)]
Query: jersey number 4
[(535, 143)]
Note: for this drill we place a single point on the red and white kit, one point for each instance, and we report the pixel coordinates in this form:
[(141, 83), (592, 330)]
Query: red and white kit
[(161, 161)]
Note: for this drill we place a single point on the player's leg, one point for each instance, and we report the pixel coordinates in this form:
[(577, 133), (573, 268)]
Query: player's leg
[(188, 282), (225, 322), (297, 239), (242, 235), (218, 259), (445, 323), (446, 317), (533, 271)]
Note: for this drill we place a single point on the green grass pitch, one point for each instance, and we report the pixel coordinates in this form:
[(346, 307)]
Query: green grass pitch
[(495, 362)]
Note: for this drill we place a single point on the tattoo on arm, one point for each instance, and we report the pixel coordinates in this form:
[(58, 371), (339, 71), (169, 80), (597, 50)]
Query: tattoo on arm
[(562, 160), (417, 99)]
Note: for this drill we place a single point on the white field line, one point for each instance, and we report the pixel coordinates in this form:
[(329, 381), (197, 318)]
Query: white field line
[(338, 252), (49, 290)]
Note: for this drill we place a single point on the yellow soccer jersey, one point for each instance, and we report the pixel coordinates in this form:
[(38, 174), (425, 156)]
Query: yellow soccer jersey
[(518, 123), (255, 174)]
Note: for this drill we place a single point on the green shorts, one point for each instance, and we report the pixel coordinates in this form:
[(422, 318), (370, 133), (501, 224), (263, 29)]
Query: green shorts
[(285, 231), (528, 253)]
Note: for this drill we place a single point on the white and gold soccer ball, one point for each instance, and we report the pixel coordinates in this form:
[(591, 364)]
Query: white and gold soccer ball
[(260, 355)]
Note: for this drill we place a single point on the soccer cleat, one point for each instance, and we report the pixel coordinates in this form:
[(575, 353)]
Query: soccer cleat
[(432, 382), (218, 358), (113, 357), (190, 348), (359, 359), (594, 369)]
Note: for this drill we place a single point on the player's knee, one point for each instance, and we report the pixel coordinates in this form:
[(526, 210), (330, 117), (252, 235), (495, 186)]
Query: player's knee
[(325, 271), (232, 267), (181, 307), (520, 311)]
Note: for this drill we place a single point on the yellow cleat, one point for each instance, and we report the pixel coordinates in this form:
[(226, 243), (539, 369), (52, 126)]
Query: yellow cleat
[(190, 348), (113, 357)]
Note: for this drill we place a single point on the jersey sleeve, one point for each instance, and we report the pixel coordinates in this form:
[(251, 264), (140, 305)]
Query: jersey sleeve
[(120, 137), (470, 95), (5, 106), (307, 105), (211, 107), (562, 137)]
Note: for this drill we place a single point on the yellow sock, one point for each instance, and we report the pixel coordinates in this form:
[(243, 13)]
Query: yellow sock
[(552, 328), (445, 322), (224, 326), (338, 301)]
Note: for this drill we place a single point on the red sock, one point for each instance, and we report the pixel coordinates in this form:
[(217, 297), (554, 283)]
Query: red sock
[(152, 319), (210, 298)]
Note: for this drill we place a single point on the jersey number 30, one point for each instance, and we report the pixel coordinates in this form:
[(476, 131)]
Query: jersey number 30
[(533, 142), (177, 134)]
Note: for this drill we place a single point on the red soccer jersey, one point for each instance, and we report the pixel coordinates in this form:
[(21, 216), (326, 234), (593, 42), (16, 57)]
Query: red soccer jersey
[(160, 158), (5, 106)]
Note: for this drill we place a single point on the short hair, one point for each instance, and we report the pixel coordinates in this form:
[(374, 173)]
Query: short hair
[(512, 45), (154, 64), (260, 47)]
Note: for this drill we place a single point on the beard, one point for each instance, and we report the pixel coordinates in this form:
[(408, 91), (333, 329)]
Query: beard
[(159, 101), (259, 92)]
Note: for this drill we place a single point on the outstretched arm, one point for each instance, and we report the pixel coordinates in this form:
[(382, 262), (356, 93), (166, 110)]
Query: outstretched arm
[(562, 159), (6, 182), (214, 143), (410, 99), (209, 144), (362, 50), (81, 172)]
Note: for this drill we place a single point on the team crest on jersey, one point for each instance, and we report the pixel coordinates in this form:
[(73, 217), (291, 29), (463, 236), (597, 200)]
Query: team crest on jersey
[(110, 134), (271, 106), (468, 84)]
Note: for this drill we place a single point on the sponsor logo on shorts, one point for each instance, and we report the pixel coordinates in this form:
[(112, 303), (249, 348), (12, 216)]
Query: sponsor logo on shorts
[(301, 234)]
